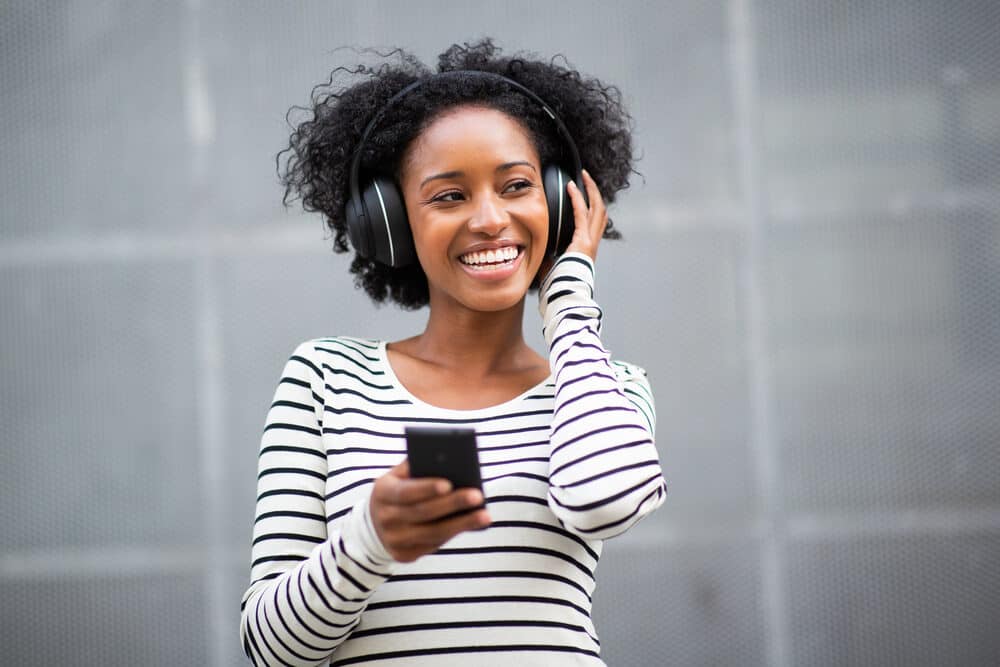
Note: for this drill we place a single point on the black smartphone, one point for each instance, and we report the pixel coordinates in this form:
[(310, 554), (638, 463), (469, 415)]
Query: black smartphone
[(444, 452)]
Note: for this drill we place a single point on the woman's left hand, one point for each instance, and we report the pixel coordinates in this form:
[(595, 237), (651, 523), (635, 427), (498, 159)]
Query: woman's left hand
[(590, 221)]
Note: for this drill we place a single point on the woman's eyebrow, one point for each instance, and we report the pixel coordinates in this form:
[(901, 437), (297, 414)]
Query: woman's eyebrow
[(517, 163), (444, 174), (455, 174)]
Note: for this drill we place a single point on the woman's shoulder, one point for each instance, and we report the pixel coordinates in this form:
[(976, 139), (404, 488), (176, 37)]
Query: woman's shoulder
[(344, 348)]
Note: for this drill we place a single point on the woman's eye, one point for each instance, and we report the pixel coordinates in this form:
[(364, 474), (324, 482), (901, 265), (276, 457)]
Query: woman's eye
[(520, 184), (451, 196)]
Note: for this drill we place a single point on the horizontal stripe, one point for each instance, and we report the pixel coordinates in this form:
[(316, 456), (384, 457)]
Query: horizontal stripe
[(516, 499), (522, 475), (289, 558), (437, 420), (360, 394), (481, 599), (507, 462), (577, 260), (505, 648), (290, 515), (352, 485), (490, 574), (563, 423), (553, 297), (293, 405), (611, 471), (346, 373), (584, 378), (611, 524), (351, 359), (607, 429), (609, 499), (577, 345), (289, 492), (347, 469), (290, 471), (305, 385), (291, 449), (359, 342), (572, 334), (458, 625), (308, 364), (547, 528), (294, 537), (552, 553), (343, 345), (573, 279)]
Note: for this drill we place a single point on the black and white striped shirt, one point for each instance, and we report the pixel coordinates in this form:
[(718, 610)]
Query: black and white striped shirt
[(567, 464)]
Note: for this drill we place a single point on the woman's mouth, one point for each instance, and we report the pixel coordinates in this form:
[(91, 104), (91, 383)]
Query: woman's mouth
[(491, 260), (494, 264)]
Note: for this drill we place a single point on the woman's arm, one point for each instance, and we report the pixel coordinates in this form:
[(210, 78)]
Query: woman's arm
[(604, 473), (308, 587)]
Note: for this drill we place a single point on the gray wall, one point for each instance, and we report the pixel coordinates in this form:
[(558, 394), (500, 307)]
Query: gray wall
[(811, 277)]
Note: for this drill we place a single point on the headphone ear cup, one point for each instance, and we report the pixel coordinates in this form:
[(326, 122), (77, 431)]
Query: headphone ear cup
[(561, 225), (386, 224), (357, 228)]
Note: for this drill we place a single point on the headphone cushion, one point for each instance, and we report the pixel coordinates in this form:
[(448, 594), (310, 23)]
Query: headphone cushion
[(561, 225), (386, 224), (357, 228)]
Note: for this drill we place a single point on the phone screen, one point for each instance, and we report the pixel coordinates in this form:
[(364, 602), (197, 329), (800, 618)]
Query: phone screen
[(444, 452)]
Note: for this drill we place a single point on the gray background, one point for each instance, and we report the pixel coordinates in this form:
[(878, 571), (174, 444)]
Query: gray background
[(811, 277)]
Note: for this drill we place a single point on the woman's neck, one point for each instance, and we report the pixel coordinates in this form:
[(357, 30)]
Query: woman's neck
[(475, 343)]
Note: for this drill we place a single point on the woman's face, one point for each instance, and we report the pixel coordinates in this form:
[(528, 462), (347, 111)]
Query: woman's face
[(472, 184)]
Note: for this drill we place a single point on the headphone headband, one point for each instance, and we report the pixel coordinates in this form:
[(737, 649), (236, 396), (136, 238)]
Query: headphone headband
[(454, 74)]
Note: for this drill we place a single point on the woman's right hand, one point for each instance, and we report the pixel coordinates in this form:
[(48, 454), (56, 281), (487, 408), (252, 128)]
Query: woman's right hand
[(414, 517)]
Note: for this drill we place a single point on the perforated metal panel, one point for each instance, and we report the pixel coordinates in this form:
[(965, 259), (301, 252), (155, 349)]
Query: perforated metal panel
[(698, 604), (155, 619), (811, 277)]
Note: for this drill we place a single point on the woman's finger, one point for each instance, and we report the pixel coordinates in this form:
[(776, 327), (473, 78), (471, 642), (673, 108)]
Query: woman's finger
[(411, 491), (439, 507), (581, 214), (598, 209), (396, 487), (590, 221)]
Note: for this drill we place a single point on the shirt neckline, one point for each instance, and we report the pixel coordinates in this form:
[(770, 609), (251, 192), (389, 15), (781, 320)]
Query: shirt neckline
[(490, 409)]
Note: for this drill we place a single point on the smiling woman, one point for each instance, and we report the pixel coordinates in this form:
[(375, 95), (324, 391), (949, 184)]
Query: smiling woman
[(462, 190)]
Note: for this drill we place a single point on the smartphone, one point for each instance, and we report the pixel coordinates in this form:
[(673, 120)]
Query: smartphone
[(444, 452)]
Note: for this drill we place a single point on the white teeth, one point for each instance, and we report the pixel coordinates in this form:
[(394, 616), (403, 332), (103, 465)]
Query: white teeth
[(500, 255)]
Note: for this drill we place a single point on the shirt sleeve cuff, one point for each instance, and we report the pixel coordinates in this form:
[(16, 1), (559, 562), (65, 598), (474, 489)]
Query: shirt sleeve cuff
[(362, 532)]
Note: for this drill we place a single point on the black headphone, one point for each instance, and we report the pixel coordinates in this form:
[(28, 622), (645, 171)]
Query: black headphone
[(376, 215)]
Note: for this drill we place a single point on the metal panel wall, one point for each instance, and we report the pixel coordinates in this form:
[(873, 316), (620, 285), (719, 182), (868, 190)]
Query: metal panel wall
[(811, 276)]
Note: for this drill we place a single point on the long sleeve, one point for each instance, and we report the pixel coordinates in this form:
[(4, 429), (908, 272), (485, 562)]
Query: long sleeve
[(309, 586), (604, 472)]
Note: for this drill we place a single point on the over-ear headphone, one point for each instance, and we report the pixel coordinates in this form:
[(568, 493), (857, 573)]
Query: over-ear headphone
[(376, 215)]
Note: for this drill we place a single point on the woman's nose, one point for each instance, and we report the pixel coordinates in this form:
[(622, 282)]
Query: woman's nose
[(489, 216)]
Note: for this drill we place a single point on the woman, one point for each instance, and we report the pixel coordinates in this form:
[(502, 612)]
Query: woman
[(439, 181)]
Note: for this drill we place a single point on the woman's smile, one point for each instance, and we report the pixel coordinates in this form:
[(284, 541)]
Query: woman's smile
[(493, 264)]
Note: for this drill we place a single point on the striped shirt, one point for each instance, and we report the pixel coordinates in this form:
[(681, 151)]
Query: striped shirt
[(566, 465)]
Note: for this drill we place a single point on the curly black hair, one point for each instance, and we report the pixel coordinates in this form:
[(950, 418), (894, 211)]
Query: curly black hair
[(315, 166)]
